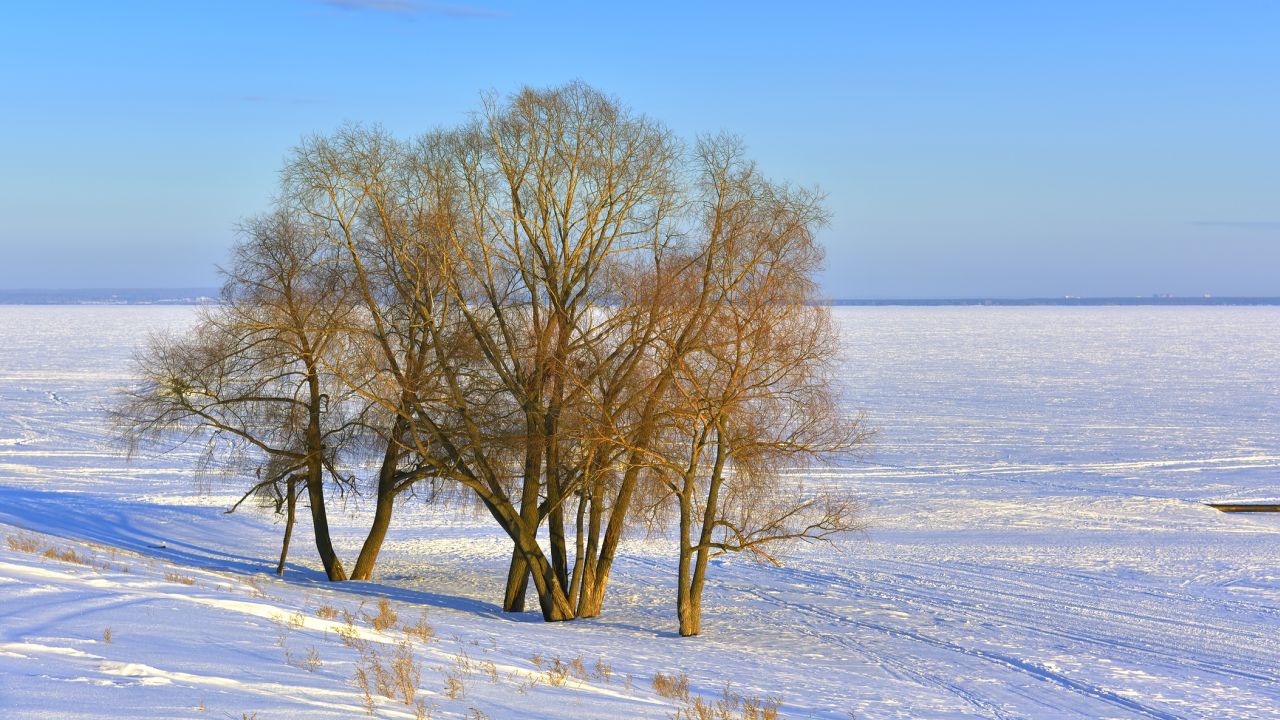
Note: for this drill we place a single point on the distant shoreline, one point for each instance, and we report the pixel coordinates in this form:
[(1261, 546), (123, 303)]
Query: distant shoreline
[(204, 296), (110, 296), (1065, 301)]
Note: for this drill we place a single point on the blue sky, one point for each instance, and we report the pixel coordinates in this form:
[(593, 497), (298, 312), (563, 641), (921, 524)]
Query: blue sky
[(967, 148)]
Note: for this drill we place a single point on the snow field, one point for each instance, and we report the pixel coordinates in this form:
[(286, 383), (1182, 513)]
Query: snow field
[(1038, 546)]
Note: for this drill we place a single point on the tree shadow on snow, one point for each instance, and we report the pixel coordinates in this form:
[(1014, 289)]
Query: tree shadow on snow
[(145, 528)]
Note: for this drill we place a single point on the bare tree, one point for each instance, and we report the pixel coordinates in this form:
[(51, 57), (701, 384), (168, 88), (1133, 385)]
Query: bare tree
[(249, 378), (755, 390), (487, 258), (555, 308)]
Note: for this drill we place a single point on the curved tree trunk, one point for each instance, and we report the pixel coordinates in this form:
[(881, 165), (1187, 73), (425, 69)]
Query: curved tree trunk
[(386, 498)]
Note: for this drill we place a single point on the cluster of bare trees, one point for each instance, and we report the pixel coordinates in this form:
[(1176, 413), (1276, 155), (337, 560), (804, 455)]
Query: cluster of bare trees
[(556, 310)]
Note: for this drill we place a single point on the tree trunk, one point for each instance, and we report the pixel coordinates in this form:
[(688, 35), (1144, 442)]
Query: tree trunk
[(518, 572), (315, 481), (579, 546), (291, 514), (588, 602), (551, 598), (386, 498), (320, 519), (517, 583), (689, 607)]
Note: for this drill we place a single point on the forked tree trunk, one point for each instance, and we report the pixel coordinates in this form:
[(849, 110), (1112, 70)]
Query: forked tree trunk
[(552, 600)]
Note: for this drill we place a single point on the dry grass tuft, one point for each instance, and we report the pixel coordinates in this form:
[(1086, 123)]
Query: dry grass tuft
[(386, 617), (406, 673), (65, 556), (23, 543), (174, 577), (731, 706), (454, 686), (397, 681), (422, 630), (106, 635), (327, 612), (309, 662), (672, 686)]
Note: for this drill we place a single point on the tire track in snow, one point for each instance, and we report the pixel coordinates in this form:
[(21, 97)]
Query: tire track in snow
[(1021, 666), (1029, 613)]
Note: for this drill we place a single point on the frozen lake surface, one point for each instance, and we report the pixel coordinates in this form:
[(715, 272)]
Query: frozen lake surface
[(1038, 544)]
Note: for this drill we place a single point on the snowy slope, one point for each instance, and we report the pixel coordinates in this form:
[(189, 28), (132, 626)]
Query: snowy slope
[(1038, 547)]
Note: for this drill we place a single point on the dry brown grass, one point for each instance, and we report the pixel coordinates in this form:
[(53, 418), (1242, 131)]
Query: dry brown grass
[(309, 662), (23, 543), (106, 635), (69, 556), (406, 673), (397, 680), (557, 673), (350, 634), (730, 706), (422, 630), (179, 578), (386, 617), (454, 686), (672, 686), (327, 612)]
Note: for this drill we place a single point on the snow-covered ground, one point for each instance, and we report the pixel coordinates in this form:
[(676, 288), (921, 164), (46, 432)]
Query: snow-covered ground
[(1038, 548)]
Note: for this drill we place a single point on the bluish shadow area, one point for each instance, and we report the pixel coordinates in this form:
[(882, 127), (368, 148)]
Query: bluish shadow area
[(146, 529)]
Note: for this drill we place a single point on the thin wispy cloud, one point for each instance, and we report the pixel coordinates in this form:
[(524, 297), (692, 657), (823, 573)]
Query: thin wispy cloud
[(1239, 224), (409, 8)]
